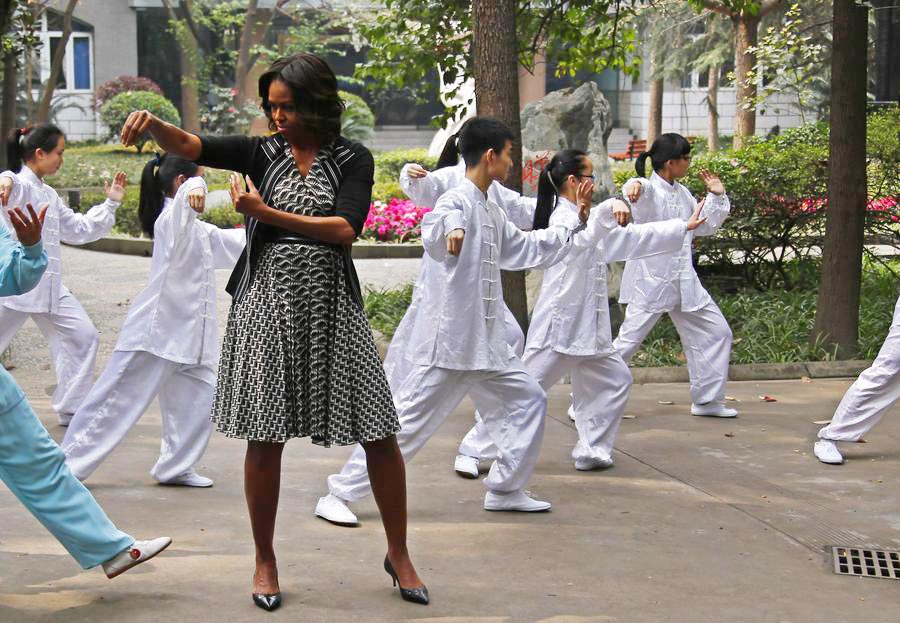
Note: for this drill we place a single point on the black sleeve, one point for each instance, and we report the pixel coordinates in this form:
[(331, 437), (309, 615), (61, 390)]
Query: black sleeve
[(232, 153), (355, 194)]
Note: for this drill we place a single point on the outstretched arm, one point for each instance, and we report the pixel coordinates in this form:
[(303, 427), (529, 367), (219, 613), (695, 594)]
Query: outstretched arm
[(170, 138), (22, 262)]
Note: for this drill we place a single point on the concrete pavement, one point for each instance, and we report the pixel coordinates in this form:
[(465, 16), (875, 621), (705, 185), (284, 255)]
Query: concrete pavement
[(700, 520)]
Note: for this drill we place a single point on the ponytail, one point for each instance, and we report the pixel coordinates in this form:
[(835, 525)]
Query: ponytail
[(22, 143), (158, 181), (666, 147), (562, 165), (451, 152)]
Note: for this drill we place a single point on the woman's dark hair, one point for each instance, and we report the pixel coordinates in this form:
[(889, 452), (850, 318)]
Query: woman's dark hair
[(23, 142), (666, 147), (563, 164), (481, 134), (315, 93), (450, 154), (157, 181)]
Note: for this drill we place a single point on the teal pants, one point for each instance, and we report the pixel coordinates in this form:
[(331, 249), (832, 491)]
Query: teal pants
[(34, 469)]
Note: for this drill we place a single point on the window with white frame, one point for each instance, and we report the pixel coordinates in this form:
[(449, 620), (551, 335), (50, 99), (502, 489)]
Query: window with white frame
[(77, 73)]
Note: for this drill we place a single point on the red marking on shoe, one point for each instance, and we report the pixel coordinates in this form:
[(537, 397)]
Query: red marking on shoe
[(135, 554)]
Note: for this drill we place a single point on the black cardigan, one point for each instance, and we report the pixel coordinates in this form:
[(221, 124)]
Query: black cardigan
[(350, 170)]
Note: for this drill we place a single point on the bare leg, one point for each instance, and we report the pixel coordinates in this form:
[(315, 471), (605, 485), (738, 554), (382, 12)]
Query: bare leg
[(262, 482), (387, 473)]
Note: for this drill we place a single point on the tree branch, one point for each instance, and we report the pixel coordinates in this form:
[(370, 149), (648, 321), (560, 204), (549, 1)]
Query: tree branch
[(718, 7)]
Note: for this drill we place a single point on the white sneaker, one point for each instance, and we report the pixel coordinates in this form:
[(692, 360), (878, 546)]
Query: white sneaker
[(64, 418), (592, 463), (713, 409), (334, 509), (140, 551), (827, 451), (190, 479), (515, 501), (466, 466)]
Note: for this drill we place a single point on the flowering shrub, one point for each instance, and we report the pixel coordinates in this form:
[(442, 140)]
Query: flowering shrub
[(397, 220), (220, 115), (111, 88)]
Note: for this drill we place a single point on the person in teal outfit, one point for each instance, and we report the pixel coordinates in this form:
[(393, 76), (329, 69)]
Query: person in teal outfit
[(31, 464)]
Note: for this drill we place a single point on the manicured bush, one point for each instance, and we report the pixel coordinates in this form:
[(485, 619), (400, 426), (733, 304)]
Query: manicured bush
[(116, 111), (224, 216), (358, 120), (126, 216), (389, 163), (111, 88), (385, 191)]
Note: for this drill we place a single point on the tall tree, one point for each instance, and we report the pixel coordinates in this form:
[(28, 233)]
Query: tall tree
[(837, 312), (745, 15), (181, 21), (496, 71), (56, 65), (655, 109)]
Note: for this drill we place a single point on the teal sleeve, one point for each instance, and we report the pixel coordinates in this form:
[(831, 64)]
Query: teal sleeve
[(21, 267)]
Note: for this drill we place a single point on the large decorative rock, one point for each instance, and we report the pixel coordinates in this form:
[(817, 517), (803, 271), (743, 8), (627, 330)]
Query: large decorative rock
[(572, 118)]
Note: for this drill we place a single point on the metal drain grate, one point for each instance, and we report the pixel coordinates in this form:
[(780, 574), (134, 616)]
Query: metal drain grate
[(867, 563)]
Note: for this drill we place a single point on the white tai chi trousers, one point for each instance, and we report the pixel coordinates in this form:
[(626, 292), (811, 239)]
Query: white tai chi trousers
[(872, 394), (705, 337), (513, 405), (478, 442), (73, 342), (600, 387), (124, 391)]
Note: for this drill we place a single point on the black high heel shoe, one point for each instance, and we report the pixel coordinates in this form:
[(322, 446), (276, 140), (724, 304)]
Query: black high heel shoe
[(415, 595), (267, 602)]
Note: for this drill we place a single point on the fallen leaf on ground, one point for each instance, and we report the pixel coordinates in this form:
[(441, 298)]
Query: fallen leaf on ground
[(627, 417), (665, 402), (821, 421), (805, 379), (767, 399), (731, 399), (862, 441), (729, 434), (877, 482)]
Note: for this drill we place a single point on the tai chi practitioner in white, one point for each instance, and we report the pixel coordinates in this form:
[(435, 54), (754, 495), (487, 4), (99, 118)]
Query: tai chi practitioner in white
[(867, 400), (570, 330), (424, 188), (458, 344), (668, 283), (38, 152), (169, 345)]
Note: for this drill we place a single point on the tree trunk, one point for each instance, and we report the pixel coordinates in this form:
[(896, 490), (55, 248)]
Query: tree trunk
[(242, 67), (496, 74), (837, 311), (654, 120), (712, 102), (43, 113), (887, 51), (8, 104), (189, 59), (746, 30)]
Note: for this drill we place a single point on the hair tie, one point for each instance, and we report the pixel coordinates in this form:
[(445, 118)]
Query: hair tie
[(22, 132), (157, 159)]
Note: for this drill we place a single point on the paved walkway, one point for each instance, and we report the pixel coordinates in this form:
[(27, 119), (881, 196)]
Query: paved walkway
[(700, 520)]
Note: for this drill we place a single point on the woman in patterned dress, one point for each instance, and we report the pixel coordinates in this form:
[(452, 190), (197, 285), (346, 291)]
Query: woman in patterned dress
[(298, 357)]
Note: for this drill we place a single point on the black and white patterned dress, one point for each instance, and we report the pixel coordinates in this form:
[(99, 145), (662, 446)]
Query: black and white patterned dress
[(298, 357)]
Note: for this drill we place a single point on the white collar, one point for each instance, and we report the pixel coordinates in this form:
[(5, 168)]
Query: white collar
[(660, 182), (472, 191), (167, 203), (30, 176)]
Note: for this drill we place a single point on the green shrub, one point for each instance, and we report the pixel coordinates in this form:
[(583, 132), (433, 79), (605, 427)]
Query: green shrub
[(358, 120), (116, 110), (389, 163), (385, 191), (224, 216), (126, 216), (384, 308)]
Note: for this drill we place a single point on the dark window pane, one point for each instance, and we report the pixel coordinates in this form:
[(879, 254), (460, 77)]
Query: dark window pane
[(61, 80), (703, 78)]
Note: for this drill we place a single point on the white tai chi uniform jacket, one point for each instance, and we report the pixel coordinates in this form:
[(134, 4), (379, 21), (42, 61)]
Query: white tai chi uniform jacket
[(71, 335), (570, 328), (167, 348), (426, 191), (458, 344), (872, 394), (668, 283)]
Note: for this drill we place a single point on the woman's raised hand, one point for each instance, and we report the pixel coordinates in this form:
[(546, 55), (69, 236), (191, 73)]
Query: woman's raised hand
[(116, 190), (6, 186), (695, 221), (27, 224), (249, 202), (712, 181), (135, 126), (583, 197), (633, 191), (197, 200), (416, 171), (621, 212)]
